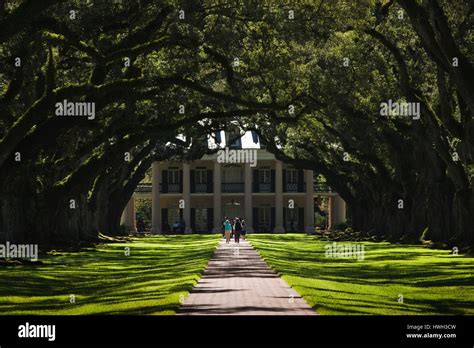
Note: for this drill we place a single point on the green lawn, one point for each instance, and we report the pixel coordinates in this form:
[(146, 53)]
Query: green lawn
[(430, 281), (158, 273)]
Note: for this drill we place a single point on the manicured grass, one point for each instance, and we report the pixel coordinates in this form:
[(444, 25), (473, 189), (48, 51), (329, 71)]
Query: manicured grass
[(158, 273), (430, 281)]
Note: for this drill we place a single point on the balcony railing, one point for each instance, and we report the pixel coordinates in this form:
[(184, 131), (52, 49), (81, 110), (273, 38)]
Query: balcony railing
[(200, 188), (291, 187), (233, 187), (264, 187), (144, 188), (174, 188)]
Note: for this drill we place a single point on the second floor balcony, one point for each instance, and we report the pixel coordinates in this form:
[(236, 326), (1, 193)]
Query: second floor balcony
[(166, 188), (233, 187), (201, 181)]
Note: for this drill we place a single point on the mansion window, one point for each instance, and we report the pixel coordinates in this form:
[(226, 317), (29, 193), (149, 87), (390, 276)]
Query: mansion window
[(173, 175), (291, 176), (233, 138), (232, 173), (264, 175), (200, 175)]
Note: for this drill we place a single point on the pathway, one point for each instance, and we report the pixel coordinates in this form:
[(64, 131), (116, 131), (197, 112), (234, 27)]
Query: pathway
[(238, 282)]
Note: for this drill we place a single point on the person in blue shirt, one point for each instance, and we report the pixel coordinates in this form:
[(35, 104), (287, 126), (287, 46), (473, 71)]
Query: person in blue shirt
[(227, 230)]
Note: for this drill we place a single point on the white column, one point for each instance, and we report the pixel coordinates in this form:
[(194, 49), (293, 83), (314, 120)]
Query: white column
[(330, 212), (133, 222), (217, 198), (187, 197), (128, 216), (309, 209), (155, 199), (248, 197), (337, 211), (341, 210), (279, 198), (124, 218)]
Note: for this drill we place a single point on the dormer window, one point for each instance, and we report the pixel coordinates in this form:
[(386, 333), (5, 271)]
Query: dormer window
[(233, 138)]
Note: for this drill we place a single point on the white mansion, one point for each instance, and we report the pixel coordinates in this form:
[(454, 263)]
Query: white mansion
[(268, 194)]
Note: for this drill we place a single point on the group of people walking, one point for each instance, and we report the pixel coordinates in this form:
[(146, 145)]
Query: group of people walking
[(233, 227)]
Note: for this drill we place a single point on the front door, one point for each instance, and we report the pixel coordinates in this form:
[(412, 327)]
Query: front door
[(232, 210)]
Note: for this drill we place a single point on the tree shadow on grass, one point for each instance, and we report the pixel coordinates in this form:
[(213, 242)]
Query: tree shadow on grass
[(385, 265), (108, 277)]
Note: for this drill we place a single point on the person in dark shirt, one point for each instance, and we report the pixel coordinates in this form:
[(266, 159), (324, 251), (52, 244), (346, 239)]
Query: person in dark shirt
[(237, 230)]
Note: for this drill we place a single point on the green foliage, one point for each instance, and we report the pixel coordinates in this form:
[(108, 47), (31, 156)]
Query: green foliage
[(320, 221), (248, 64), (143, 210)]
